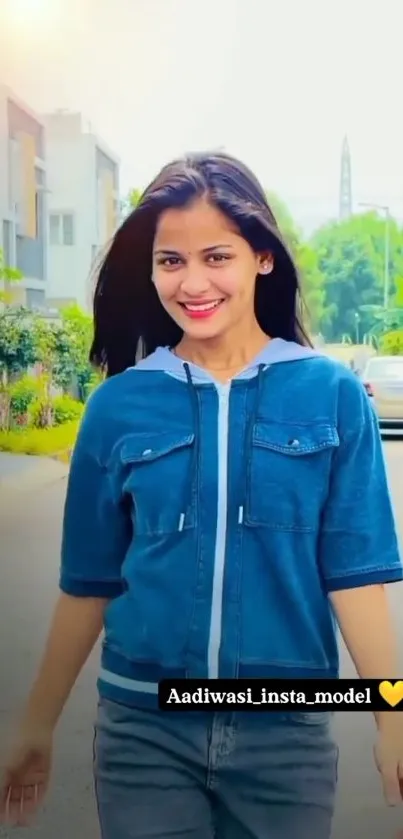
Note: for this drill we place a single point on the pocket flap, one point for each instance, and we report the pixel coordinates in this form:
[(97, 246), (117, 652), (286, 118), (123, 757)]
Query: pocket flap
[(293, 439), (143, 448)]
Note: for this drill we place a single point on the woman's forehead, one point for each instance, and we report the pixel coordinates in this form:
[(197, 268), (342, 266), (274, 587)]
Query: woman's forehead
[(197, 222)]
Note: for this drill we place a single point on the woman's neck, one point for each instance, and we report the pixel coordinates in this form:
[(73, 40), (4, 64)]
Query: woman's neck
[(222, 358)]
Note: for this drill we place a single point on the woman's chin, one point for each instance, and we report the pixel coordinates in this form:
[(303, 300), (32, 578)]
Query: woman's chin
[(202, 331)]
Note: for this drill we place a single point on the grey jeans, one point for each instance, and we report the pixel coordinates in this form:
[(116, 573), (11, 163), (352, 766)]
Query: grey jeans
[(161, 775)]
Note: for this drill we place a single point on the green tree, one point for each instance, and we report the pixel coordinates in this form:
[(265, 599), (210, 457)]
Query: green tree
[(45, 333), (131, 201), (285, 222), (8, 276), (312, 280), (391, 343), (351, 257), (398, 298), (17, 342), (312, 284), (134, 197), (46, 341), (73, 347), (17, 353)]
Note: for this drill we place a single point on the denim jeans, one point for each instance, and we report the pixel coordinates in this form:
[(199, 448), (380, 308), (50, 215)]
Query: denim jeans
[(229, 775)]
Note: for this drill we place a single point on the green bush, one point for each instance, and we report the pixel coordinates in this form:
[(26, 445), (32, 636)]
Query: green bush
[(40, 413), (40, 441), (22, 393), (66, 409), (391, 343), (35, 412), (59, 410)]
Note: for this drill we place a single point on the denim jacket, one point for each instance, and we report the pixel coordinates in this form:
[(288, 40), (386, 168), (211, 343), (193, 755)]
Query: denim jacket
[(218, 518)]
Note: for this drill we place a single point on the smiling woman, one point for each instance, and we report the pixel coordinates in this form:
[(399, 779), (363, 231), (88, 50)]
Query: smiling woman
[(227, 498), (204, 270)]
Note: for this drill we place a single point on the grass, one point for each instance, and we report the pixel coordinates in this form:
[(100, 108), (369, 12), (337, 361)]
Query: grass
[(57, 441)]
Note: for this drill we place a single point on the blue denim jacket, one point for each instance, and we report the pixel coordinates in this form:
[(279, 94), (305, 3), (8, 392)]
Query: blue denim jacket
[(217, 518)]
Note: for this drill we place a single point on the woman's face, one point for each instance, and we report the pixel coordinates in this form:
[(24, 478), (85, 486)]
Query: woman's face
[(204, 271)]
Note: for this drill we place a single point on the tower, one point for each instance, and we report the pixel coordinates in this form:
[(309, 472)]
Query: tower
[(345, 197)]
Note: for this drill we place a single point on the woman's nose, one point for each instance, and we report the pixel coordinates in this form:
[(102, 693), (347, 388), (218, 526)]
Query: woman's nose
[(196, 281)]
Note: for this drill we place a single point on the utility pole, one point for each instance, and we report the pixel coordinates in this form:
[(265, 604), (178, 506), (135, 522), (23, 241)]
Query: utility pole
[(386, 277)]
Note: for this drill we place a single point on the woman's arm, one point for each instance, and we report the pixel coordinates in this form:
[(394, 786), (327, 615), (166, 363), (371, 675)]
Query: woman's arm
[(365, 622), (358, 555), (74, 631), (366, 625), (95, 538)]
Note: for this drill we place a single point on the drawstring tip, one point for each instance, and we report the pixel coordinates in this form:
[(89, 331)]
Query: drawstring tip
[(181, 522), (240, 515)]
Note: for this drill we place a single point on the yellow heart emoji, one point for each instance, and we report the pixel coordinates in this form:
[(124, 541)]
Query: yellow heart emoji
[(392, 694)]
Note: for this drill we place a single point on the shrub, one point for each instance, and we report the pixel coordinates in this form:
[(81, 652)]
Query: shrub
[(22, 393), (56, 411), (66, 409), (391, 343), (40, 413), (40, 441)]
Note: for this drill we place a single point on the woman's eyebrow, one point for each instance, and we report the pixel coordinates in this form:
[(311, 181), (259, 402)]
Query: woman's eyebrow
[(166, 252), (209, 249)]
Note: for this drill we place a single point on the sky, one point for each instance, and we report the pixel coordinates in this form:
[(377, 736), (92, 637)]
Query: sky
[(278, 84)]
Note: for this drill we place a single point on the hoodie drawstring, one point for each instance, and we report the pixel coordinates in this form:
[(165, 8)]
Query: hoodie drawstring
[(249, 440), (194, 461)]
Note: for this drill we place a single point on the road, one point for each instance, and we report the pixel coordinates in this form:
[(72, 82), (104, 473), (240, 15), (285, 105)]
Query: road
[(30, 524)]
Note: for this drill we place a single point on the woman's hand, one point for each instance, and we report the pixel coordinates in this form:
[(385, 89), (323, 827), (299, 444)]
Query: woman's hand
[(76, 626), (373, 651), (26, 776), (388, 754)]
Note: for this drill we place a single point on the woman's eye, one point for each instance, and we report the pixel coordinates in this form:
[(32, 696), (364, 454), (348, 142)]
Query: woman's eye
[(217, 257), (169, 261)]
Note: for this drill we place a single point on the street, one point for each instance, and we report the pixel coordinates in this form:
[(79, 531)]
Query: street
[(30, 523)]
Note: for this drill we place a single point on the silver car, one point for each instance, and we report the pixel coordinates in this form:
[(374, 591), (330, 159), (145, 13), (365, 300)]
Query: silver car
[(383, 381)]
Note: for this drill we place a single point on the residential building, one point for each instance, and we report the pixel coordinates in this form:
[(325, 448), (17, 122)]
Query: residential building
[(23, 197), (84, 207)]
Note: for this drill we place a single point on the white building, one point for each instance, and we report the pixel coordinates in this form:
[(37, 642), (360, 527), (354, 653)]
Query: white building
[(83, 177), (23, 198)]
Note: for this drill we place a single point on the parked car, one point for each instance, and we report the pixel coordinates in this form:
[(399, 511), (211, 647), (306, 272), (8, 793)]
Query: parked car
[(383, 381)]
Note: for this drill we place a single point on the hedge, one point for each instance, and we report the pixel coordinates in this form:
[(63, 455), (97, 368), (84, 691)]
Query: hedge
[(55, 441)]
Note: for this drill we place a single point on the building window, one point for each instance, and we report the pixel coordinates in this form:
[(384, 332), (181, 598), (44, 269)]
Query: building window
[(7, 249), (67, 230), (35, 299), (61, 229), (37, 216), (54, 228)]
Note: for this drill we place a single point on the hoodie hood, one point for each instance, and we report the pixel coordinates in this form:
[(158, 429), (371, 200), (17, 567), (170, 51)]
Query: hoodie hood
[(276, 351)]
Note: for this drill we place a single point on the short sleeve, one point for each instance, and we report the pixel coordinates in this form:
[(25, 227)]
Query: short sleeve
[(96, 526), (358, 540)]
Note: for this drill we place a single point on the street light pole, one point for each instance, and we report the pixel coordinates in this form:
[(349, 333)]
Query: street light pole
[(386, 278), (387, 248)]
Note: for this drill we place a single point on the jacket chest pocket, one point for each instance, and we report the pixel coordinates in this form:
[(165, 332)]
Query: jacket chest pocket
[(161, 478), (288, 475)]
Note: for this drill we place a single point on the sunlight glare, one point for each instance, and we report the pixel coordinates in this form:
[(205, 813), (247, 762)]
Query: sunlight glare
[(31, 12)]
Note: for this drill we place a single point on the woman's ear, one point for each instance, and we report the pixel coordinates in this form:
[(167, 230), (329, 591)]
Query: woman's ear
[(266, 263)]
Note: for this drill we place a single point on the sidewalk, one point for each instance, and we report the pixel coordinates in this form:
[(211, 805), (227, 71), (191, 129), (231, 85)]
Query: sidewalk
[(27, 473)]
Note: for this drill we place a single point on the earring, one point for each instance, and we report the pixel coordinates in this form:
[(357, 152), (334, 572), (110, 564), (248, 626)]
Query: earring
[(266, 268)]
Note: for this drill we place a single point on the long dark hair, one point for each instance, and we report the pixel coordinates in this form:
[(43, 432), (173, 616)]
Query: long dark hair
[(129, 319)]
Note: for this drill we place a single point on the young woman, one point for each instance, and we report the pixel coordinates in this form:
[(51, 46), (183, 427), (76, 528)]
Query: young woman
[(227, 498)]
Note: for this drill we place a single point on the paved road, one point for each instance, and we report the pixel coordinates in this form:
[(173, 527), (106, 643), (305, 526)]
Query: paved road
[(30, 531), (22, 471), (12, 463)]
